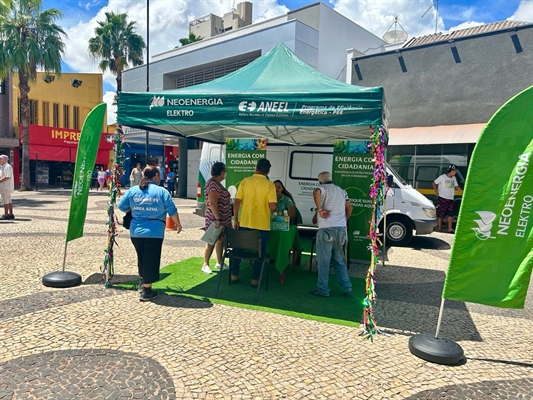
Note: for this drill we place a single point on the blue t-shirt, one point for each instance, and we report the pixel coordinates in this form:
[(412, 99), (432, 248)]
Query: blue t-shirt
[(171, 176), (149, 209)]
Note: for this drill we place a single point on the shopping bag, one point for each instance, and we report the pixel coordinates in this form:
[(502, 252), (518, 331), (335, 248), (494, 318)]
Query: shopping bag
[(126, 220), (211, 234)]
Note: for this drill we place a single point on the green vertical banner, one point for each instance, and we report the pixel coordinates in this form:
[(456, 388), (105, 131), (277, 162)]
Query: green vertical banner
[(85, 159), (241, 159), (353, 170), (492, 254)]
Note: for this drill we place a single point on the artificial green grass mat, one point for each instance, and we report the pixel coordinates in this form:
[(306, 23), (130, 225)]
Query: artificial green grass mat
[(291, 298)]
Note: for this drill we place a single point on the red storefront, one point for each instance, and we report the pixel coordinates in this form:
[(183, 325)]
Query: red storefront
[(53, 153), (59, 144)]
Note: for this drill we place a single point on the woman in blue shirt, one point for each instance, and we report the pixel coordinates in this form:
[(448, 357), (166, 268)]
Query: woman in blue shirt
[(149, 204)]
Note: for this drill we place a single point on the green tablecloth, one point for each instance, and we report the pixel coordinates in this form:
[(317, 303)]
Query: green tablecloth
[(280, 244)]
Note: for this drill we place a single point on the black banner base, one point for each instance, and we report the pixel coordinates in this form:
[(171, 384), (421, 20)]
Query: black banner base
[(436, 350), (62, 279)]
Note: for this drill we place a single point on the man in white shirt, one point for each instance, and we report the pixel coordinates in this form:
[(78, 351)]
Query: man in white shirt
[(7, 186), (333, 210), (444, 187)]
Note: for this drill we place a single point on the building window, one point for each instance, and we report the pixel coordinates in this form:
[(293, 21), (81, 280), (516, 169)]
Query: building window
[(34, 118), (209, 74), (46, 113), (2, 87), (55, 118), (66, 116), (76, 117)]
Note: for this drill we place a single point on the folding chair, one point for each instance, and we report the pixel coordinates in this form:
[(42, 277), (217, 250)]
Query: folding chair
[(244, 245)]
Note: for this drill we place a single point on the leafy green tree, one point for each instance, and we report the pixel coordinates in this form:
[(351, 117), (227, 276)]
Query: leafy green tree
[(116, 44), (29, 40), (191, 39)]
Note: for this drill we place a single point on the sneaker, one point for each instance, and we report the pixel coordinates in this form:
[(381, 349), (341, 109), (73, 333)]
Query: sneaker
[(206, 269), (4, 217), (347, 294), (140, 288), (317, 293), (10, 216), (225, 268), (147, 294)]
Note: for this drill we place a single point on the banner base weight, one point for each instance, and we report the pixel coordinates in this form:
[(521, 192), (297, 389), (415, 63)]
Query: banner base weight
[(436, 350), (61, 279)]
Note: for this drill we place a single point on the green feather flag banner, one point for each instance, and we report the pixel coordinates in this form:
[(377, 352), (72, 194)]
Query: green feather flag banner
[(492, 255), (85, 160)]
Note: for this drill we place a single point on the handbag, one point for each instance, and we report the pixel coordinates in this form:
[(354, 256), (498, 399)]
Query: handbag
[(126, 220)]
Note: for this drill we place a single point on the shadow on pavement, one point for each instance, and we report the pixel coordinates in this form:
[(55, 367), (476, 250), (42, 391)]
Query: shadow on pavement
[(84, 374), (179, 300), (428, 242), (32, 202), (498, 389), (97, 278), (408, 300)]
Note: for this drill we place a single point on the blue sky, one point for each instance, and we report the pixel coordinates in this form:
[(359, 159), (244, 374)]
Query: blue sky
[(169, 19)]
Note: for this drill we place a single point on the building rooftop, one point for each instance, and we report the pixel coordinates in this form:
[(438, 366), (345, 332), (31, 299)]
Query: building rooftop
[(475, 30)]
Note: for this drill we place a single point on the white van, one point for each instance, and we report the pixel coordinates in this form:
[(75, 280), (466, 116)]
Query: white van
[(408, 211)]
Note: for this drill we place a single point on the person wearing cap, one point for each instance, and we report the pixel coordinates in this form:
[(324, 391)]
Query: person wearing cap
[(444, 187), (7, 186)]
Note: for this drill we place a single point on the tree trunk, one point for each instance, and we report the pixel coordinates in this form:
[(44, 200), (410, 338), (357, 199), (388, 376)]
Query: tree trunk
[(119, 84), (24, 89)]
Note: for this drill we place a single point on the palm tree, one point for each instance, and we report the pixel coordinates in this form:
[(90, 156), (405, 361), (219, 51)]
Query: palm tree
[(29, 39), (191, 39), (116, 43)]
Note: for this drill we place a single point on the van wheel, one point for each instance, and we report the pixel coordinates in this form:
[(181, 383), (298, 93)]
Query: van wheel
[(399, 231)]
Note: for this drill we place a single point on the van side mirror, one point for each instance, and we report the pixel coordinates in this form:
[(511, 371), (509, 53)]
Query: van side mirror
[(390, 180)]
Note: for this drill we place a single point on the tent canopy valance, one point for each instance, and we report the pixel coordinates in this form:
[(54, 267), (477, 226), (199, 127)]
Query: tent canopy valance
[(277, 96)]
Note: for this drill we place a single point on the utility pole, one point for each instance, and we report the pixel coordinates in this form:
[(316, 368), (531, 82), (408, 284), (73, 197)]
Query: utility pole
[(434, 5), (147, 147)]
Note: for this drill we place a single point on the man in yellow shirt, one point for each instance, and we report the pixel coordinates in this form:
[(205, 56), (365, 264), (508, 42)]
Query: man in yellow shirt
[(255, 198)]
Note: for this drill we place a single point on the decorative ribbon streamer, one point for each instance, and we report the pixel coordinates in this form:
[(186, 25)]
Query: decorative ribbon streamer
[(108, 268), (378, 189)]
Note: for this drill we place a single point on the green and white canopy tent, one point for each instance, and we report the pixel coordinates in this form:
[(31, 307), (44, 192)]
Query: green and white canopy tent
[(277, 96)]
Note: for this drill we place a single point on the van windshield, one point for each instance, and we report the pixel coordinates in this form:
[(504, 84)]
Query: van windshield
[(396, 175)]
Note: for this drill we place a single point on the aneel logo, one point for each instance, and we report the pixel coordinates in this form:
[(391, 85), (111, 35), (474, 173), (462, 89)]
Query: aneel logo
[(484, 225), (157, 101), (264, 106), (247, 106)]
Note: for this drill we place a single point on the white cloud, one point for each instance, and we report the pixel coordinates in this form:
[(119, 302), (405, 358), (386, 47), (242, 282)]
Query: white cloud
[(109, 97), (467, 13), (267, 9), (524, 12), (169, 21), (464, 25), (378, 16)]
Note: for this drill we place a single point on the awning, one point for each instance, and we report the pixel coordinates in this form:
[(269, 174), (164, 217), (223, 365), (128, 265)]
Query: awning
[(443, 134), (49, 153)]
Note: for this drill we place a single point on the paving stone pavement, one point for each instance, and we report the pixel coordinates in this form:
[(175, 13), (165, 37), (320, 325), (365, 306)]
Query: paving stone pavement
[(89, 342)]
